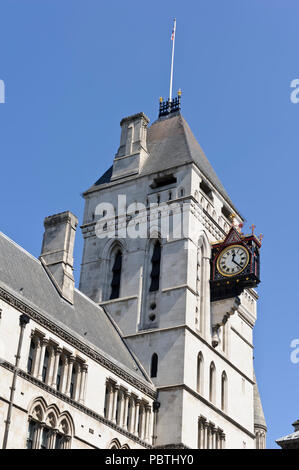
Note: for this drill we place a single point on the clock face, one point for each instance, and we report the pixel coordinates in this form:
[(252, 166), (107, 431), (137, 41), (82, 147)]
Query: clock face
[(233, 260)]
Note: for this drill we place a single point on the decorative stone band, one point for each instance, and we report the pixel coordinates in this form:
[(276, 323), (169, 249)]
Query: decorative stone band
[(75, 404), (88, 351)]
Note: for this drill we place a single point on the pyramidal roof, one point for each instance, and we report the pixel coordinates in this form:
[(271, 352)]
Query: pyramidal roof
[(259, 417), (171, 143)]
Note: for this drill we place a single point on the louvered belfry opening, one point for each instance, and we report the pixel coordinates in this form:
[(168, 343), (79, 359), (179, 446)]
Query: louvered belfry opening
[(155, 274), (116, 275)]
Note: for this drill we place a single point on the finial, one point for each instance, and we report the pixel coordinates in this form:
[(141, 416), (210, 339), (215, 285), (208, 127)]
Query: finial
[(252, 228), (261, 237), (161, 99), (240, 228), (179, 93)]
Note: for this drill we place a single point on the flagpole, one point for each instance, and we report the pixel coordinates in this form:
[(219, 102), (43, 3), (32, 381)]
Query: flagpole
[(172, 59)]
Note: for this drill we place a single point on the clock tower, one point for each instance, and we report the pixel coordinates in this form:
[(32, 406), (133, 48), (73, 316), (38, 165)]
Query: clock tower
[(163, 257)]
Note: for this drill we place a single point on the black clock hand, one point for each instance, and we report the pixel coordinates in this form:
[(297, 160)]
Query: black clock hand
[(236, 263)]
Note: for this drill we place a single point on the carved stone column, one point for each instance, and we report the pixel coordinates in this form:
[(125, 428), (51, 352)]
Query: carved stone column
[(213, 437), (83, 383), (71, 360), (125, 413), (201, 432), (131, 426), (42, 358), (64, 374), (148, 409), (137, 405), (121, 407), (50, 371), (37, 436), (222, 441), (57, 353), (36, 356)]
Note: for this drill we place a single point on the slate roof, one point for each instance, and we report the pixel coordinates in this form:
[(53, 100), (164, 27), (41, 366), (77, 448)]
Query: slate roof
[(170, 142), (25, 277)]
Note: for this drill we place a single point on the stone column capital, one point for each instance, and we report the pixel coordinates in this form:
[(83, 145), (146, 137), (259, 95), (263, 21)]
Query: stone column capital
[(71, 359)]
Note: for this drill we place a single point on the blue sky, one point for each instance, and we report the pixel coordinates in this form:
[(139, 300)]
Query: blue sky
[(74, 68)]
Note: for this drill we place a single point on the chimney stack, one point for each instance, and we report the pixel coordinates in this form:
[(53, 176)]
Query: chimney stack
[(57, 251), (132, 151)]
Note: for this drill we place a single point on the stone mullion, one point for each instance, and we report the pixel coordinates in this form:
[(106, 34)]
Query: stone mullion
[(201, 437), (147, 422), (41, 359), (50, 370), (57, 351), (125, 413), (71, 360), (82, 383), (115, 395), (37, 436)]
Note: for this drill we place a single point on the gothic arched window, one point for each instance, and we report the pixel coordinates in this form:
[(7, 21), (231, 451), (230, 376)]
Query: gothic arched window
[(223, 391), (212, 382), (156, 261), (116, 275), (154, 365), (199, 379)]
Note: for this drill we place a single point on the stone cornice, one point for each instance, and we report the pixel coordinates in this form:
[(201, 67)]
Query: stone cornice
[(74, 403), (76, 343)]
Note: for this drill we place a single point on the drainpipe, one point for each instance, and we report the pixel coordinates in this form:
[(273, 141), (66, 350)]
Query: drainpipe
[(156, 406), (24, 320)]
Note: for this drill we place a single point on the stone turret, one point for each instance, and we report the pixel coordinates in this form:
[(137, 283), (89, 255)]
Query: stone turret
[(132, 151)]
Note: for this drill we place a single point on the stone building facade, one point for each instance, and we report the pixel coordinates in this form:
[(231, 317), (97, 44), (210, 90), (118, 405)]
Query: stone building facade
[(132, 358)]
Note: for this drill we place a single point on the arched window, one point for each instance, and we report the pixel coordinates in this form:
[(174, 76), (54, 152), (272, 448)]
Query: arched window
[(156, 261), (45, 365), (154, 365), (31, 357), (116, 275), (212, 382), (199, 381), (223, 391)]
